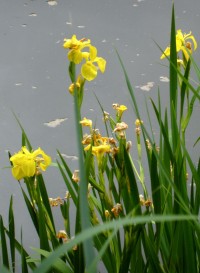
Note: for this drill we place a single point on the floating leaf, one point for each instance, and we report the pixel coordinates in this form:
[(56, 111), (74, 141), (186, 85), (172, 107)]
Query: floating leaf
[(164, 79), (147, 87), (52, 3), (55, 123)]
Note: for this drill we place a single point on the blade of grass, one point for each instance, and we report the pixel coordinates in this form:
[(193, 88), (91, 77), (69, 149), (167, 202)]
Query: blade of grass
[(115, 225), (23, 258), (102, 252), (25, 140), (3, 269), (45, 200), (12, 233), (68, 184), (69, 173), (83, 204), (4, 249), (60, 265), (31, 211)]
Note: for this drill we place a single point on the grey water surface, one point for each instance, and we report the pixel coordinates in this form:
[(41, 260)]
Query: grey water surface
[(34, 79)]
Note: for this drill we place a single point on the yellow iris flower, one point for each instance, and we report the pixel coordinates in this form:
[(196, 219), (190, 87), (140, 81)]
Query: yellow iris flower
[(182, 43), (76, 55), (27, 164), (75, 47), (93, 63)]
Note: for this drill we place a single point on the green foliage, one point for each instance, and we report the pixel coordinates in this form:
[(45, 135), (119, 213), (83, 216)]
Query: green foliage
[(115, 225)]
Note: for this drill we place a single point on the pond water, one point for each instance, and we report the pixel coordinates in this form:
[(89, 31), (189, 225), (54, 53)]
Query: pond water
[(34, 79)]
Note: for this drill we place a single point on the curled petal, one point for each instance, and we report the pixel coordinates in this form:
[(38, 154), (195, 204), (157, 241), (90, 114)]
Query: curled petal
[(42, 159), (191, 37), (101, 64)]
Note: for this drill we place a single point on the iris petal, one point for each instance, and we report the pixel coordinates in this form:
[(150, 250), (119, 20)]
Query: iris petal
[(89, 71)]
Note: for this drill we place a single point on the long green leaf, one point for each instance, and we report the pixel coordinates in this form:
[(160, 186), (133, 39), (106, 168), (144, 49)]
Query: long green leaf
[(83, 204), (12, 234), (115, 225), (4, 248)]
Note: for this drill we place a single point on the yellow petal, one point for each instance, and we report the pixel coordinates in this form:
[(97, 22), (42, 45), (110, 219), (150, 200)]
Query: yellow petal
[(166, 53), (42, 159), (89, 71), (191, 37), (70, 43), (85, 55), (100, 150), (28, 167), (17, 173), (86, 122), (93, 52), (75, 56), (101, 64)]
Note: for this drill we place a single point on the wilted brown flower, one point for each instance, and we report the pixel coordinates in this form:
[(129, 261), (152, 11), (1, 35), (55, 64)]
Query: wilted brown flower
[(75, 176), (54, 202), (117, 209), (62, 235)]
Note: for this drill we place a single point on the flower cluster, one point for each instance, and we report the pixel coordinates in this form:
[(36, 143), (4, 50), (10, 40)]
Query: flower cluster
[(99, 145), (83, 50), (28, 164)]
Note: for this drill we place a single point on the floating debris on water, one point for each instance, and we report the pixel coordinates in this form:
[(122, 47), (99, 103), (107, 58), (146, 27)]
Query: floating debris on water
[(72, 157), (55, 123), (147, 87), (52, 2), (164, 79), (33, 14)]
